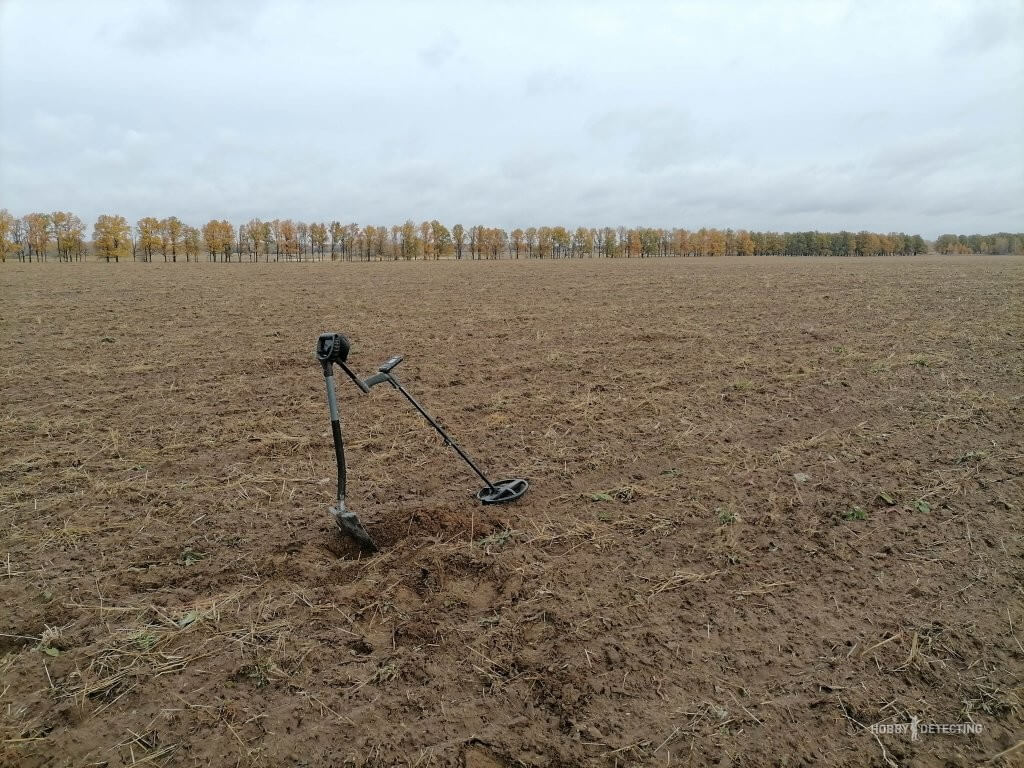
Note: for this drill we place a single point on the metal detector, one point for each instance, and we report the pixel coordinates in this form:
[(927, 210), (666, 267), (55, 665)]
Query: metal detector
[(333, 348)]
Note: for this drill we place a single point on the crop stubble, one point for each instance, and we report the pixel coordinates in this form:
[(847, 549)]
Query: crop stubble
[(774, 501)]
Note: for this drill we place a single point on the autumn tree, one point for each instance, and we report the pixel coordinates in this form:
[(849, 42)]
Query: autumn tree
[(498, 242), (217, 237), (318, 239), (289, 238), (275, 234), (348, 244), (560, 240), (302, 238), (459, 239), (426, 239), (337, 233), (442, 238), (629, 242), (543, 242), (516, 241), (6, 233), (680, 242), (744, 243), (268, 240), (148, 236), (254, 238), (483, 242), (867, 244), (367, 238), (945, 244), (59, 227), (226, 239), (19, 238), (68, 235), (364, 243), (190, 242), (164, 242), (821, 243), (37, 235), (170, 233), (74, 235), (111, 237), (716, 242), (409, 241), (484, 238), (582, 242), (210, 238)]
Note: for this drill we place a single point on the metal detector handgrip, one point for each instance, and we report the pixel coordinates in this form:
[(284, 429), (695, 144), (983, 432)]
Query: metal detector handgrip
[(332, 348)]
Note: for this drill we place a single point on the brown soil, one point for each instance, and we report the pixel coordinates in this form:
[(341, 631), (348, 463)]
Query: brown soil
[(773, 502)]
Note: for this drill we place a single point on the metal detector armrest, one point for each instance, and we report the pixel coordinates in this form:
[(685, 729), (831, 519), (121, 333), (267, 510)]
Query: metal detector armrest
[(389, 365), (383, 375), (377, 378)]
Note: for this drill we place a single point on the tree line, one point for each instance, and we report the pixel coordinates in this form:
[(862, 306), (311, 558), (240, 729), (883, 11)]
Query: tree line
[(62, 235), (998, 243)]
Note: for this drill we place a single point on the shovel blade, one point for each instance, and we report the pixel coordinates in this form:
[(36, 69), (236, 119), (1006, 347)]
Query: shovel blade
[(348, 523)]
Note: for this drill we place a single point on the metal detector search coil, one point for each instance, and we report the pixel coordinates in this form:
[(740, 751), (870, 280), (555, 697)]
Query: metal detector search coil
[(332, 349)]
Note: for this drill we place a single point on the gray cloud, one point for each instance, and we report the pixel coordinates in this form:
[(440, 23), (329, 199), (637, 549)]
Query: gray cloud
[(781, 115), (159, 26), (987, 27), (440, 51)]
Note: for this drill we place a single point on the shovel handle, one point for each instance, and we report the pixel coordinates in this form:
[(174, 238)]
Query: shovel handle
[(339, 445)]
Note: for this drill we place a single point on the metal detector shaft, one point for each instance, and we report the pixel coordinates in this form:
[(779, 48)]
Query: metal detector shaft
[(447, 439), (352, 375)]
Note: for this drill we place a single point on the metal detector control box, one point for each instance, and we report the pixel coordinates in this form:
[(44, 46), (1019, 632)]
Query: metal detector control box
[(333, 349)]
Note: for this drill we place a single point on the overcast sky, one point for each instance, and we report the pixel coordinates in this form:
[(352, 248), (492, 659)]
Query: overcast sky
[(765, 115)]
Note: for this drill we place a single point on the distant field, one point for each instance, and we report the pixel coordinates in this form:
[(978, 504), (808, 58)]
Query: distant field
[(774, 501)]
